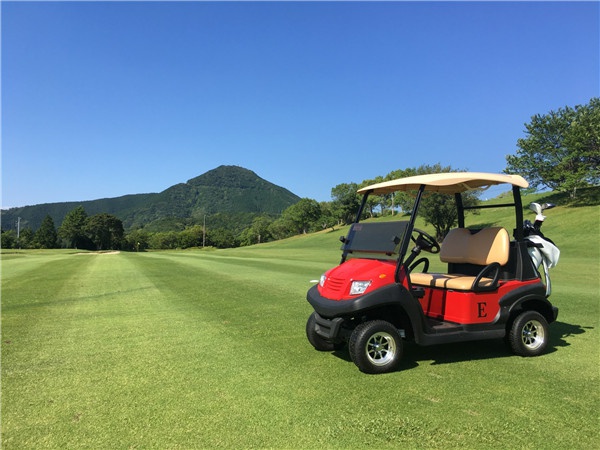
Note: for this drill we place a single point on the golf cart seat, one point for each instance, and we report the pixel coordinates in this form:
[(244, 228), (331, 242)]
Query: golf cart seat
[(474, 259)]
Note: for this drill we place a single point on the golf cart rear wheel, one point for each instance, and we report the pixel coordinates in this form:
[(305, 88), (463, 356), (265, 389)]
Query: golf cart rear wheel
[(529, 334), (376, 347)]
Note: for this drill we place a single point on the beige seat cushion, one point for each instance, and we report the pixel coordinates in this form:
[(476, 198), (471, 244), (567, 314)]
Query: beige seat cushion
[(447, 281), (482, 248), (489, 245)]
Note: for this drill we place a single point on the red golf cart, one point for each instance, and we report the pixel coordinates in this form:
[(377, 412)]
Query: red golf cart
[(382, 292)]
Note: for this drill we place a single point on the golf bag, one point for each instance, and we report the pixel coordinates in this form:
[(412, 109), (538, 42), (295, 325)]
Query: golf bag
[(542, 250)]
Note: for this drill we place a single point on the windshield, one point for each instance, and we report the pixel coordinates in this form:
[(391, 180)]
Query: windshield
[(381, 238)]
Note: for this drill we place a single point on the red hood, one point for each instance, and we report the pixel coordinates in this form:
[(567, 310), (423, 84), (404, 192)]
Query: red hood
[(339, 279)]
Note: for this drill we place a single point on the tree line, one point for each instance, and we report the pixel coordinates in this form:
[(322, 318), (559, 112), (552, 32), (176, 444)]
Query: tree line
[(78, 230), (561, 151), (106, 232)]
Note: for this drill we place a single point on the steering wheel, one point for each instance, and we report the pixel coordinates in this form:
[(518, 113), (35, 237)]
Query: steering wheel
[(425, 241)]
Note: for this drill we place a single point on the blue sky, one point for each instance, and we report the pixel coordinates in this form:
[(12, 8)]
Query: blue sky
[(103, 99)]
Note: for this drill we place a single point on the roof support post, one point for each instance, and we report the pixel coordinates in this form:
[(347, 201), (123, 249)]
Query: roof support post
[(408, 232), (518, 213), (362, 206), (460, 209)]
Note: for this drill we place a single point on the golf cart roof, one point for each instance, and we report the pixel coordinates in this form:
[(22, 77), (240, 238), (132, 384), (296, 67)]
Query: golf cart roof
[(445, 183)]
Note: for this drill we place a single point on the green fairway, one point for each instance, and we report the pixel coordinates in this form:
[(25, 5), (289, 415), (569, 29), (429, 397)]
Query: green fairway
[(207, 349)]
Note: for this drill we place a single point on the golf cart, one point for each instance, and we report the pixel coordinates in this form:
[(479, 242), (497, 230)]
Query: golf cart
[(382, 292)]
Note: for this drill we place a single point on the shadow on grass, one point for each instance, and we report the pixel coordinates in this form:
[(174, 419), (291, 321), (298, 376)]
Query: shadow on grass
[(559, 331), (584, 197), (473, 350)]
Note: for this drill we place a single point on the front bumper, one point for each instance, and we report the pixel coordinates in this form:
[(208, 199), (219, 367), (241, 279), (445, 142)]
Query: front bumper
[(554, 313), (387, 295), (330, 308), (328, 329)]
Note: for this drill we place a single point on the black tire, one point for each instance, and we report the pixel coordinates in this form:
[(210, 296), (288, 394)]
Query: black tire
[(376, 347), (316, 340), (528, 335)]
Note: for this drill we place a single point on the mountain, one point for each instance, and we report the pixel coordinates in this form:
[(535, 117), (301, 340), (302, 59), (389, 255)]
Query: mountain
[(229, 192)]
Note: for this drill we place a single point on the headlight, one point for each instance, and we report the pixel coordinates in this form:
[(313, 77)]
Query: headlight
[(322, 280), (359, 287)]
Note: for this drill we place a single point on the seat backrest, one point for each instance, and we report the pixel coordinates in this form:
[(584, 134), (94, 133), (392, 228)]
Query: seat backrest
[(483, 247)]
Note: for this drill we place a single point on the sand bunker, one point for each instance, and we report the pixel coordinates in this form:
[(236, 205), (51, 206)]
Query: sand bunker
[(111, 252)]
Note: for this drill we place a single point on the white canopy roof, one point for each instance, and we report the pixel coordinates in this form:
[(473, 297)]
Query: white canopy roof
[(446, 183)]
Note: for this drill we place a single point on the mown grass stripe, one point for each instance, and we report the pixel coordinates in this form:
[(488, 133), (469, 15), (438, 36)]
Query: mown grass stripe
[(207, 349)]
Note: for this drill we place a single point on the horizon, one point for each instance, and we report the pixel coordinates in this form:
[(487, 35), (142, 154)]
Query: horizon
[(107, 99), (499, 189)]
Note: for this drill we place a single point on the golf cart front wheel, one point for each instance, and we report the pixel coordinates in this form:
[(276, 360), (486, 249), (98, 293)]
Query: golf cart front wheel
[(529, 334), (376, 347)]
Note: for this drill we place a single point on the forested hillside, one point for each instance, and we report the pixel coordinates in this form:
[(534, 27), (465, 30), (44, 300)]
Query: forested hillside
[(223, 193)]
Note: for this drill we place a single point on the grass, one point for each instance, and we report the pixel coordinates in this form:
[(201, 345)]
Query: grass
[(193, 349)]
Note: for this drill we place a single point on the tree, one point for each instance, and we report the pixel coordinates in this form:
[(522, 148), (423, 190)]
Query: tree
[(258, 232), (328, 218), (26, 238), (191, 237), (72, 228), (137, 240), (561, 149), (345, 202), (438, 210), (105, 231), (281, 228), (373, 201), (163, 240), (302, 215), (8, 239), (45, 236), (221, 238)]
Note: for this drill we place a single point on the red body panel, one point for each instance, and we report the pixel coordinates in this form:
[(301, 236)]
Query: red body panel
[(462, 307), (467, 307), (340, 278)]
